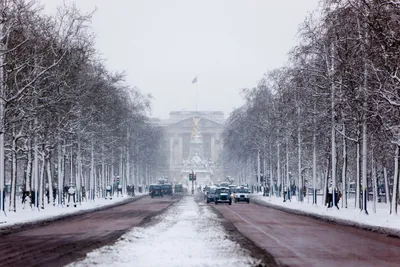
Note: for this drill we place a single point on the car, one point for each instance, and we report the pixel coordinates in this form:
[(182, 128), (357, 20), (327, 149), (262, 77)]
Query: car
[(166, 189), (222, 195), (157, 191), (242, 194), (151, 188), (178, 188), (210, 195)]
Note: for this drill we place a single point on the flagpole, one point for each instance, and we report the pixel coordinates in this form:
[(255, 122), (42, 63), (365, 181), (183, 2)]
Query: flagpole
[(197, 89)]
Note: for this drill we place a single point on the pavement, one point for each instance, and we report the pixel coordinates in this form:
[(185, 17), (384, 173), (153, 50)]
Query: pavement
[(61, 242), (296, 240)]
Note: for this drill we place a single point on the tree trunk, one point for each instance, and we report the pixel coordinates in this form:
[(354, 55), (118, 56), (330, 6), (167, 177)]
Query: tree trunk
[(139, 173), (393, 210), (41, 193), (333, 124), (71, 166), (300, 198), (364, 163), (374, 184), (113, 176), (13, 194), (28, 171), (326, 174), (358, 176), (103, 174), (264, 172), (271, 182), (279, 171), (387, 192), (59, 173), (287, 169), (121, 172), (134, 176), (344, 171), (314, 166), (258, 169), (128, 166), (92, 173), (49, 178), (2, 110), (36, 171), (79, 172)]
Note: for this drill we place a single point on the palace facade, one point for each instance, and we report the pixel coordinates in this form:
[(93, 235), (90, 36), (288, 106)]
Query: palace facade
[(178, 129)]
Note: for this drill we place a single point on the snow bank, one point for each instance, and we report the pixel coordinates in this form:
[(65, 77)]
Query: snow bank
[(381, 221), (186, 235), (29, 216)]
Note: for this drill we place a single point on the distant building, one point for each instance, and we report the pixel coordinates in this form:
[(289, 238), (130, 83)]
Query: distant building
[(178, 129)]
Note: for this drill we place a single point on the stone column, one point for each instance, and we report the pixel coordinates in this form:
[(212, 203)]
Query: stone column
[(213, 149), (180, 150), (171, 151)]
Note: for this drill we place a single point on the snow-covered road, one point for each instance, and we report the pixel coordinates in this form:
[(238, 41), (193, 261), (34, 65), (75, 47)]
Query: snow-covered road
[(186, 235)]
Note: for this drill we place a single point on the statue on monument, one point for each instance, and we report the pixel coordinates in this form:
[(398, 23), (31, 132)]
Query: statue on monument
[(196, 125)]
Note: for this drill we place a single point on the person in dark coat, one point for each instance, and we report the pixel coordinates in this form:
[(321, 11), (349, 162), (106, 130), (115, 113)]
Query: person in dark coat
[(330, 196), (338, 195)]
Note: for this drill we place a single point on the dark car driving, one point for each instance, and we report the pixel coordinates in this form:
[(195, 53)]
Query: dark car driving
[(223, 195), (210, 195), (166, 189), (156, 191)]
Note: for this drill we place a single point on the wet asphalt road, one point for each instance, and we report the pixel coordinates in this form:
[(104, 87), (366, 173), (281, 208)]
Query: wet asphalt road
[(296, 240), (61, 242)]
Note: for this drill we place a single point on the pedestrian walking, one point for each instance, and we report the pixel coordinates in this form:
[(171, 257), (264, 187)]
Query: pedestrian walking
[(330, 196), (284, 193), (108, 191), (119, 190), (337, 197)]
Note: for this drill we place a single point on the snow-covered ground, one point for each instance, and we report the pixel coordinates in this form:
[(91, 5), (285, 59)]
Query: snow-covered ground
[(29, 215), (381, 218), (186, 235)]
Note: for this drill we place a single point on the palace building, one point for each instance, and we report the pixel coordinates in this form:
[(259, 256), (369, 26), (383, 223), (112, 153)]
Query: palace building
[(193, 142)]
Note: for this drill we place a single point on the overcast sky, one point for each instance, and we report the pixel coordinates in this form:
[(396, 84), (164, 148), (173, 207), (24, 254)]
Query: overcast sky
[(164, 44)]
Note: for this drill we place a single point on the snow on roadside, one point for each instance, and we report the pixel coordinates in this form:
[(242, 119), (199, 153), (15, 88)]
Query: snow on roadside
[(29, 215), (185, 235), (381, 218)]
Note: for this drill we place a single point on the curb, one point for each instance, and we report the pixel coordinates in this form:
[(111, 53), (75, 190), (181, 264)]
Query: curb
[(390, 232), (18, 227)]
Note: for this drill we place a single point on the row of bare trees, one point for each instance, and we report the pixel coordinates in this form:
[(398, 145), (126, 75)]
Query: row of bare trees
[(64, 118), (332, 114)]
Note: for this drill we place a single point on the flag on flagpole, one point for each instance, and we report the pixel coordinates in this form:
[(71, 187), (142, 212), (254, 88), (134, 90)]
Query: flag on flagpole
[(194, 80)]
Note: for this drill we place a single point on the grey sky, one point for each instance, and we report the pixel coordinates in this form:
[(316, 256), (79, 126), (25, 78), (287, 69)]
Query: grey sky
[(163, 44)]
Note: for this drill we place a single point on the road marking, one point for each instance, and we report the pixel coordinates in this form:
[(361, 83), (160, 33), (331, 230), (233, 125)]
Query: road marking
[(298, 254)]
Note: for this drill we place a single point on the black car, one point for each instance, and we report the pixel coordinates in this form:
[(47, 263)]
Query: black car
[(223, 195), (210, 195), (151, 188), (166, 189), (156, 191)]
